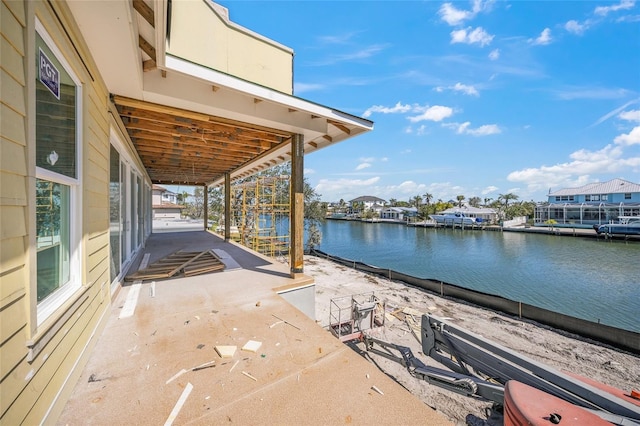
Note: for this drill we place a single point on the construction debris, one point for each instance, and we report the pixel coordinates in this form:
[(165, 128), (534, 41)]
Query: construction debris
[(252, 346), (181, 262), (226, 351), (250, 376)]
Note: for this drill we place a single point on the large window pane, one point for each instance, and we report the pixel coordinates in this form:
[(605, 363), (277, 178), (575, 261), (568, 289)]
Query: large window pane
[(52, 239), (114, 211), (56, 114)]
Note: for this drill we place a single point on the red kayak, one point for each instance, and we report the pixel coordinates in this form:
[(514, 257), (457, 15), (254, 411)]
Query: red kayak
[(526, 405)]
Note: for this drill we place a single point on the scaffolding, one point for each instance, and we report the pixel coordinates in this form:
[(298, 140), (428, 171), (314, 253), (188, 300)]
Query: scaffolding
[(260, 212)]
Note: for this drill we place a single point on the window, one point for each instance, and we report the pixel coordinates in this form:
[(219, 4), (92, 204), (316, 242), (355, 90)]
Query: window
[(604, 197), (114, 211), (627, 196), (57, 105)]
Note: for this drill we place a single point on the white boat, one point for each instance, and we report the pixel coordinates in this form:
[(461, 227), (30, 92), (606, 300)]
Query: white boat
[(627, 225), (457, 218)]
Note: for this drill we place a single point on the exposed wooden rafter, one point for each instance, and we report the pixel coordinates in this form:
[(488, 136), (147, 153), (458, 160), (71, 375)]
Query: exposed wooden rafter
[(145, 11), (183, 146)]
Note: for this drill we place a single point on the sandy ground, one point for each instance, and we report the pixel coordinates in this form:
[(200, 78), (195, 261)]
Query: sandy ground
[(560, 350)]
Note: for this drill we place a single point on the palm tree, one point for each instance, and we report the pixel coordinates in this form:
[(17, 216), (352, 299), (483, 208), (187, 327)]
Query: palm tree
[(506, 197), (416, 201), (393, 202), (474, 201), (460, 199), (427, 200)]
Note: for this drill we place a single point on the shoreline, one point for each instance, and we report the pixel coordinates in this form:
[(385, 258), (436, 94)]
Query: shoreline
[(555, 348), (558, 230), (616, 337)]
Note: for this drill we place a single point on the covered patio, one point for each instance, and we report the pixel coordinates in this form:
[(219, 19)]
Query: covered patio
[(156, 362)]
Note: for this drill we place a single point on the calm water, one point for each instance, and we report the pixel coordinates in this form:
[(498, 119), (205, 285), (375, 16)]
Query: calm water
[(587, 278)]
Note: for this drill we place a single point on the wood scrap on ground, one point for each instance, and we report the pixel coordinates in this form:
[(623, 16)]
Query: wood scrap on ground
[(180, 262)]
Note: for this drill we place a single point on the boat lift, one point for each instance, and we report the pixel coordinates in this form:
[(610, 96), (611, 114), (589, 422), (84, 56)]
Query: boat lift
[(481, 368)]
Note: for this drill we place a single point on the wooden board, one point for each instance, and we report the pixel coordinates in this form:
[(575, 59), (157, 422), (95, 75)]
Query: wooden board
[(182, 262)]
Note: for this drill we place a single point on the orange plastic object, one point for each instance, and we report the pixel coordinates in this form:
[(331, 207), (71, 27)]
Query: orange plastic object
[(526, 405)]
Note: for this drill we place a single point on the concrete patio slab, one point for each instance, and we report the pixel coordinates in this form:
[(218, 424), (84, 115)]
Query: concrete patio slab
[(159, 365)]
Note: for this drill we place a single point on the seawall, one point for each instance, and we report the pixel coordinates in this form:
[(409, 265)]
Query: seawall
[(616, 337)]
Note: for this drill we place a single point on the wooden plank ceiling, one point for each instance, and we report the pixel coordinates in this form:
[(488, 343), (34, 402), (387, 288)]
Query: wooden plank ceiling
[(190, 148)]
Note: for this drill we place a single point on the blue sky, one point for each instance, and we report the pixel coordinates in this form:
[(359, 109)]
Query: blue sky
[(473, 98)]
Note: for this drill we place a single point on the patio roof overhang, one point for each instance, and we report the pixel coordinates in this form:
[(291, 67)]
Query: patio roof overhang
[(190, 124)]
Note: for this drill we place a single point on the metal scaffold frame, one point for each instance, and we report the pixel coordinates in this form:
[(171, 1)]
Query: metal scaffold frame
[(260, 211)]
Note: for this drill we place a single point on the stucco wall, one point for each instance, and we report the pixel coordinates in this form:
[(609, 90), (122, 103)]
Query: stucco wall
[(40, 363), (204, 36)]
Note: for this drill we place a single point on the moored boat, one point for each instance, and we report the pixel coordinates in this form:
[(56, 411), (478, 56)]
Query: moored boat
[(457, 218), (627, 225)]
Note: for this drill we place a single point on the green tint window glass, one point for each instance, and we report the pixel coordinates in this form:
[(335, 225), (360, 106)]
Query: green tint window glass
[(56, 105), (53, 237)]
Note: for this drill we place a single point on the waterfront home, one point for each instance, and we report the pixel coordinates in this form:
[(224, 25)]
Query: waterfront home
[(368, 202), (485, 214), (165, 203), (399, 214), (101, 100), (587, 205)]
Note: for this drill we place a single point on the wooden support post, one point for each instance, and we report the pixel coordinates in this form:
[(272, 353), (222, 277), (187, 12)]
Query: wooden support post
[(206, 207), (227, 206), (296, 252)]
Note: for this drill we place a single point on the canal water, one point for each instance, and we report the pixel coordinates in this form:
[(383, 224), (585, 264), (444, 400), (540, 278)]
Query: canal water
[(593, 279)]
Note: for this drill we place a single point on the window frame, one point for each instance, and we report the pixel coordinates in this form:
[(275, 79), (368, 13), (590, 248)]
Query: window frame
[(51, 303)]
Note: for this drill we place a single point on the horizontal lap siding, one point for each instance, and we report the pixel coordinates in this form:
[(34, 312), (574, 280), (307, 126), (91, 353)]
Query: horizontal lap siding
[(13, 204), (35, 392)]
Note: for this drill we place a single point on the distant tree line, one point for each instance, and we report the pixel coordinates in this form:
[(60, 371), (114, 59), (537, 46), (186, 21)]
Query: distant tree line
[(507, 206)]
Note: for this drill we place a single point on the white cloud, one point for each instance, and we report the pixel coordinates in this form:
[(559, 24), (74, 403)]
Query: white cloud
[(575, 27), (632, 138), (397, 108), (328, 188), (468, 36), (485, 130), (306, 87), (489, 190), (309, 171), (453, 16), (614, 112), (468, 90), (633, 115), (623, 5), (434, 113), (464, 129), (495, 54), (543, 39), (363, 166), (459, 87), (583, 163)]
